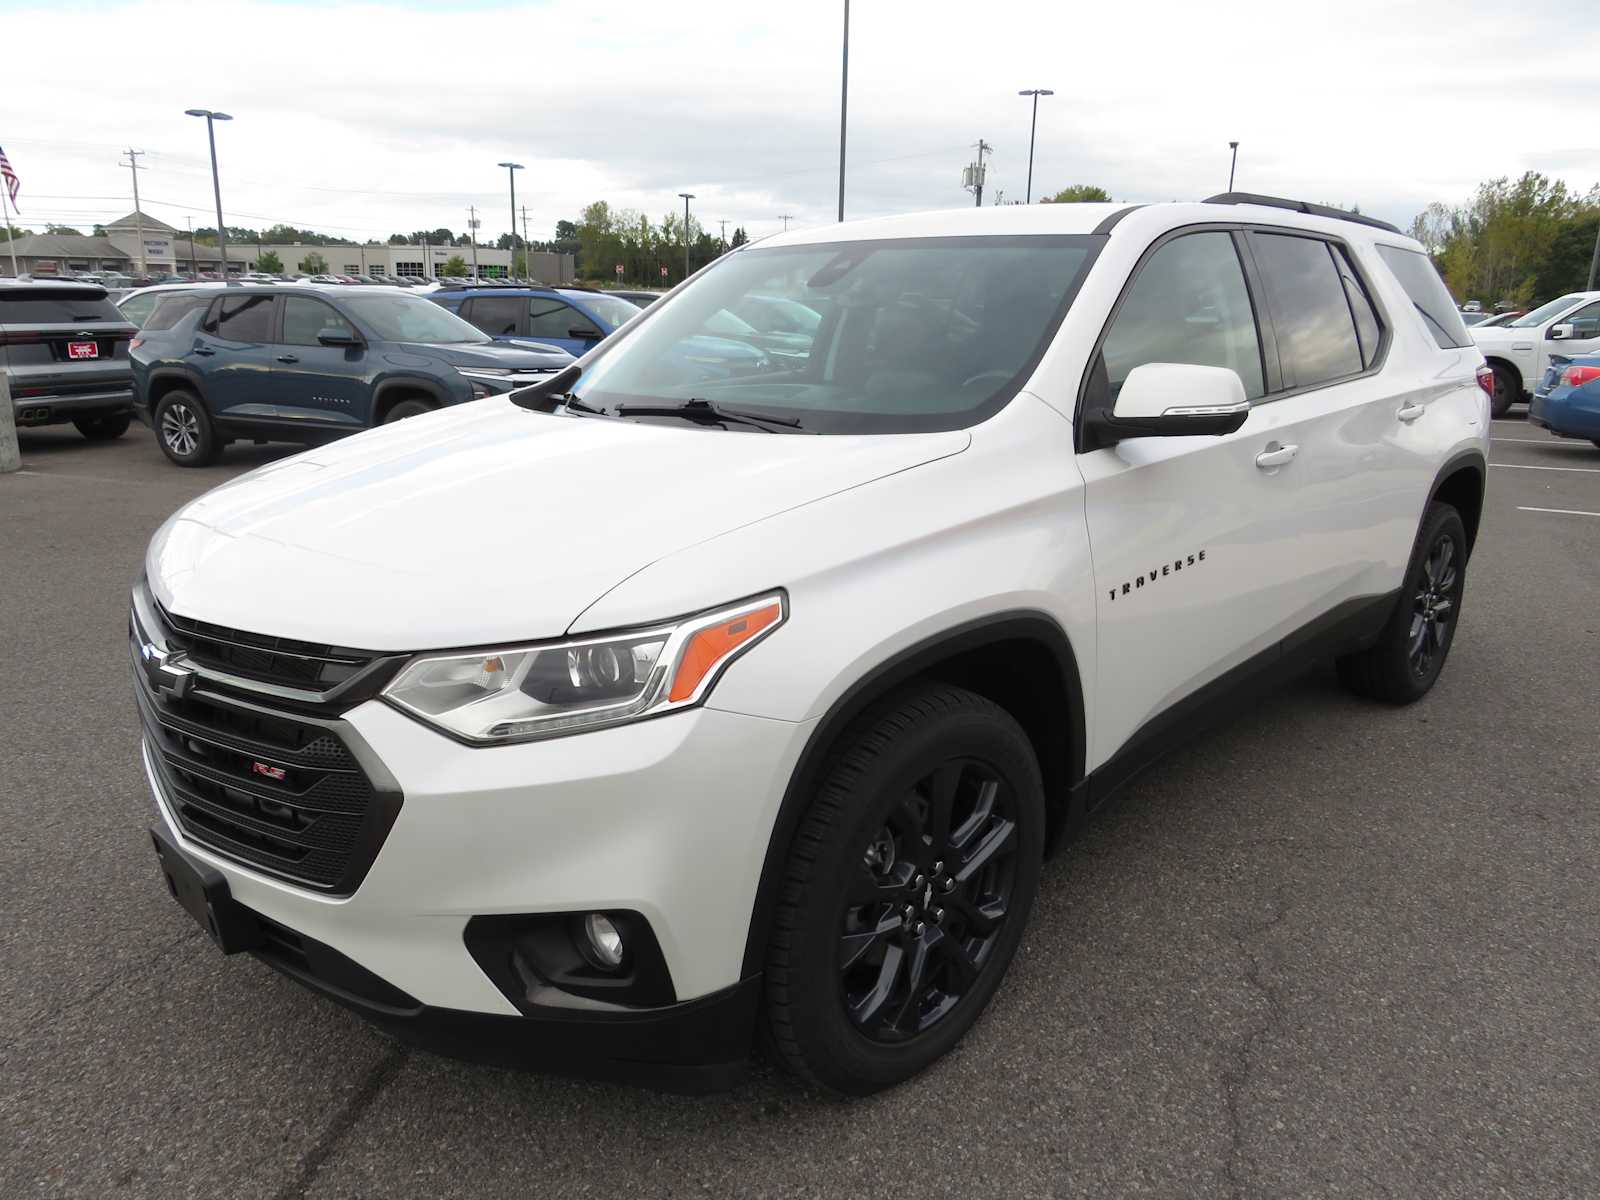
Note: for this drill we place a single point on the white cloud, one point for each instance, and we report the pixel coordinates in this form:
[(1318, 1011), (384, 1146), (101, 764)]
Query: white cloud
[(368, 119)]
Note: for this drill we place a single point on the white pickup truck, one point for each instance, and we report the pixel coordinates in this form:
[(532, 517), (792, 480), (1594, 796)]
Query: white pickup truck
[(1519, 351)]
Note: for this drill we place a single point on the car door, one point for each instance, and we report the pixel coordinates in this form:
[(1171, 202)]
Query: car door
[(1582, 327), (313, 383), (1196, 540), (554, 322), (231, 356), (501, 317)]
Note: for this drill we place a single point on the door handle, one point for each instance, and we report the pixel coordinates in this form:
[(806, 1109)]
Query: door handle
[(288, 358), (203, 350), (1410, 412), (1275, 456)]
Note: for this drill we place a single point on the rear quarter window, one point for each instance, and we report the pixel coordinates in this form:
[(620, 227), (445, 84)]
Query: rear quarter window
[(1416, 274)]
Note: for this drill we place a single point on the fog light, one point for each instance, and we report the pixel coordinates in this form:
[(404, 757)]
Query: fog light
[(605, 942)]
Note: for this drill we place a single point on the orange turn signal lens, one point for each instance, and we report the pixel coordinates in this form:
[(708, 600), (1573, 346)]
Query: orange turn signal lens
[(710, 647)]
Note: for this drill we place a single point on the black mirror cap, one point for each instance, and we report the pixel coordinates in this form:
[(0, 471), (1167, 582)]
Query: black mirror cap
[(1101, 428)]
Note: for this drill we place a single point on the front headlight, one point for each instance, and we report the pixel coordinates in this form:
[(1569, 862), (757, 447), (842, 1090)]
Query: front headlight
[(516, 694)]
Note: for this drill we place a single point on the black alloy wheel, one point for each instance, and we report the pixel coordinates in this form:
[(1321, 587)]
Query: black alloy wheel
[(906, 890), (1507, 390), (1433, 609), (927, 910)]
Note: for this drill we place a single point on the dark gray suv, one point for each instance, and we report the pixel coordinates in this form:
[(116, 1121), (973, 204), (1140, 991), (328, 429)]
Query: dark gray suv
[(64, 351)]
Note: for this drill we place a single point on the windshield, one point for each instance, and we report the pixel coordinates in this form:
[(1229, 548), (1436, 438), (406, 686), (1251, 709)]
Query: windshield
[(909, 334), (397, 318), (1544, 312), (613, 310)]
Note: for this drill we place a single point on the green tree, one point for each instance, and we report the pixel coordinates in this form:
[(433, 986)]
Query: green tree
[(13, 231), (740, 237), (1566, 265), (314, 264), (99, 231), (399, 239), (1079, 193), (269, 262), (454, 265), (65, 229)]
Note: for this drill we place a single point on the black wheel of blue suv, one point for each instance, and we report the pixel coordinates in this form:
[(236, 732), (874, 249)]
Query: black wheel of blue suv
[(184, 429)]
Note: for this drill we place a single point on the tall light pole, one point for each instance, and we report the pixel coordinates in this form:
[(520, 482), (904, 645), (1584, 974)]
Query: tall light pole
[(687, 196), (844, 102), (511, 172), (216, 186), (1234, 146), (1033, 131)]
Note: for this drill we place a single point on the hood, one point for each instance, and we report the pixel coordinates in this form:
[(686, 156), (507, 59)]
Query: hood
[(491, 354), (1499, 335), (485, 522)]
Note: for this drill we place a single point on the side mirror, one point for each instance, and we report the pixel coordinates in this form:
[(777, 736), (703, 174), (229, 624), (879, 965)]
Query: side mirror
[(1172, 400), (1559, 333), (585, 332), (337, 337)]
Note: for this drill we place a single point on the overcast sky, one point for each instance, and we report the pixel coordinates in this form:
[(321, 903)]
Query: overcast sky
[(364, 120)]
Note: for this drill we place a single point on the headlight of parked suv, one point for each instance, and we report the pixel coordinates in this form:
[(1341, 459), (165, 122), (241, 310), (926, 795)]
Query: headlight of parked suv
[(519, 693)]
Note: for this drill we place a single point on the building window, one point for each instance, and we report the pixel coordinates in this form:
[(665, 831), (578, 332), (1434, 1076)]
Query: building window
[(352, 269), (411, 270)]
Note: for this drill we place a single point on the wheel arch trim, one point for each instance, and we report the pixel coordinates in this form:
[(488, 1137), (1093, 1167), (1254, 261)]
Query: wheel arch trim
[(1473, 462), (916, 660)]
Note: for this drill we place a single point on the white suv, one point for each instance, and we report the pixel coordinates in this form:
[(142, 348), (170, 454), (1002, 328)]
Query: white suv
[(736, 683)]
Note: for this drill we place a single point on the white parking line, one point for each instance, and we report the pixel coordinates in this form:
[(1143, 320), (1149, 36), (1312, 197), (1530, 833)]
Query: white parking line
[(1526, 467), (1569, 512)]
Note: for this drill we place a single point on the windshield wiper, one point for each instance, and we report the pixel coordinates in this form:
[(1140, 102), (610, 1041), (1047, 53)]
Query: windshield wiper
[(697, 409)]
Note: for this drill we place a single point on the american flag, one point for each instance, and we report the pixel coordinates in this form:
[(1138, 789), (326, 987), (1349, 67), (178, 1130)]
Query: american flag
[(13, 186)]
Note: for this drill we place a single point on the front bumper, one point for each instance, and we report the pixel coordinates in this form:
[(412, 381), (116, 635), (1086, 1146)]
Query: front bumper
[(667, 817)]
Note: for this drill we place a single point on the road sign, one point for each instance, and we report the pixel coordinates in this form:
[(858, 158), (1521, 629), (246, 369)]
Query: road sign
[(619, 270)]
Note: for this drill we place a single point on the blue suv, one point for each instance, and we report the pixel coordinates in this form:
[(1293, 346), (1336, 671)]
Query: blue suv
[(306, 364), (572, 318)]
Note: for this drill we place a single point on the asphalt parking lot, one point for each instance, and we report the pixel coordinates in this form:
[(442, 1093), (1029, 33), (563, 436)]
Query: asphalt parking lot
[(1333, 950)]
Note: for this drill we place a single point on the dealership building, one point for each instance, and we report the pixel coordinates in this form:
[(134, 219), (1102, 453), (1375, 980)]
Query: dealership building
[(169, 251)]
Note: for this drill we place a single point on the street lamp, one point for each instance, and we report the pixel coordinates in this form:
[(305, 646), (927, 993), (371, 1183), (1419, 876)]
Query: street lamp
[(687, 196), (844, 101), (216, 187), (1033, 131), (1234, 146), (511, 173)]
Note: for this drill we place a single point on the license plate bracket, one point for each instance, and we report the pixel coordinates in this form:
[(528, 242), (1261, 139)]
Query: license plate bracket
[(204, 895)]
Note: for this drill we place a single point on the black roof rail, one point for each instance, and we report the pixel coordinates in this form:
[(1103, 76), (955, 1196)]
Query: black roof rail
[(1300, 206)]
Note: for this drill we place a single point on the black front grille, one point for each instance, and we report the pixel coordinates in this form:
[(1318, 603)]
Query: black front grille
[(287, 793), (284, 662)]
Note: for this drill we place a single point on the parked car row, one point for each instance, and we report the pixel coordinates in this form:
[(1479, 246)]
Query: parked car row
[(1519, 351)]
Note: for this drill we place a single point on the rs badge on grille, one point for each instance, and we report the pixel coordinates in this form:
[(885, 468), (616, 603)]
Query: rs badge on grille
[(271, 772)]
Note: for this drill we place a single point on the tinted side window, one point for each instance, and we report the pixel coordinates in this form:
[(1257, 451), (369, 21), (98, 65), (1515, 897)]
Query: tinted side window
[(1421, 282), (1189, 304), (553, 318), (1584, 320), (495, 315), (172, 309), (304, 319), (1368, 328), (1316, 333), (241, 318)]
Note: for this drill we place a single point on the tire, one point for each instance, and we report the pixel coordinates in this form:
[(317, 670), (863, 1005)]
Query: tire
[(184, 429), (1507, 390), (876, 877), (103, 429), (408, 408), (1596, 442), (1405, 661)]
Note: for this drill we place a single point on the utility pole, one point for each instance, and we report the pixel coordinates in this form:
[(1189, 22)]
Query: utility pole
[(216, 185), (687, 196), (786, 218), (527, 247), (724, 223), (472, 231), (1234, 146), (11, 239), (976, 174), (1033, 132), (427, 258), (138, 216), (844, 103), (1594, 263)]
